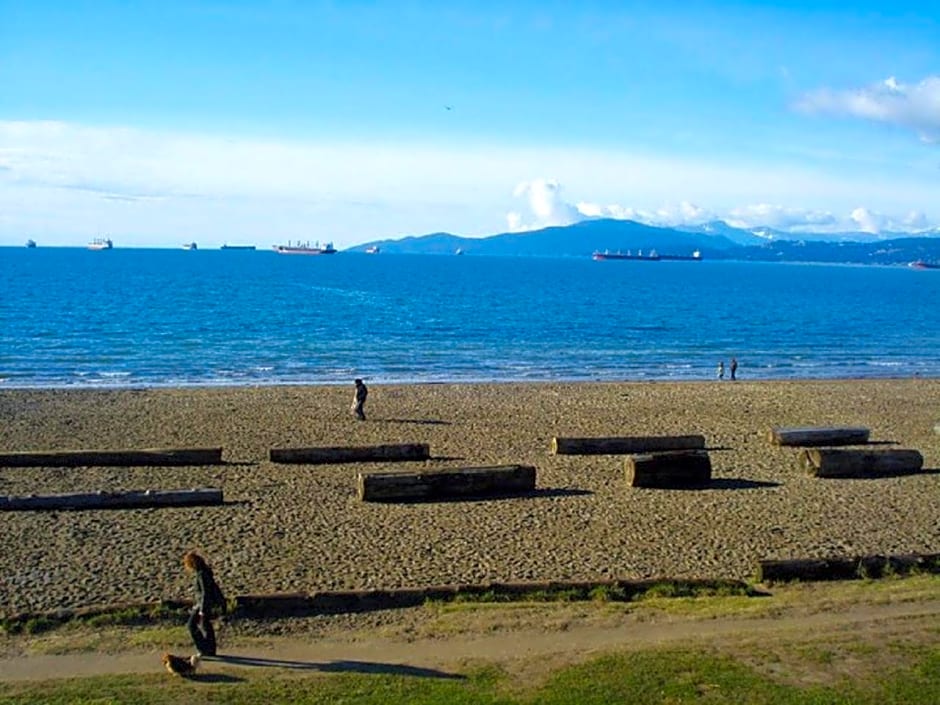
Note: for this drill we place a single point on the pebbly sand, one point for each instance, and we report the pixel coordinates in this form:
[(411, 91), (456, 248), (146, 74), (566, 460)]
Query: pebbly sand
[(301, 528)]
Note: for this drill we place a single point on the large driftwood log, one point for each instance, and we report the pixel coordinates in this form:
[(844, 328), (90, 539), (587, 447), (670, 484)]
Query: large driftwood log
[(115, 500), (811, 436), (807, 569), (845, 462), (351, 454), (683, 468), (83, 458), (500, 480), (624, 445)]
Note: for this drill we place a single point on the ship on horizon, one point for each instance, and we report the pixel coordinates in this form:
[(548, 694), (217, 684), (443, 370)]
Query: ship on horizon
[(652, 256), (101, 243), (922, 264), (226, 246), (305, 248)]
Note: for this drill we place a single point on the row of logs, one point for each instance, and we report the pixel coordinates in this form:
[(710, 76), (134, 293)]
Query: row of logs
[(820, 459)]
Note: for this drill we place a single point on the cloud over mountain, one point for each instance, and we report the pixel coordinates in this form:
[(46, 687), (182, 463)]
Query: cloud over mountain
[(546, 207)]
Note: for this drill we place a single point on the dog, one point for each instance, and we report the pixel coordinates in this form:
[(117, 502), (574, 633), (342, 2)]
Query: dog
[(180, 665)]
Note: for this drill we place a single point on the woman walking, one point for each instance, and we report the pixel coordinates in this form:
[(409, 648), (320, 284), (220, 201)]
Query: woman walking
[(209, 601)]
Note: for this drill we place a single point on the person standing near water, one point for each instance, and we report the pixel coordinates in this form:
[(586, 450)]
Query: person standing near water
[(721, 369), (209, 601), (359, 400), (734, 368)]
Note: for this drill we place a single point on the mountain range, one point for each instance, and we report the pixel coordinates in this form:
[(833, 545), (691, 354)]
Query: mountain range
[(714, 240)]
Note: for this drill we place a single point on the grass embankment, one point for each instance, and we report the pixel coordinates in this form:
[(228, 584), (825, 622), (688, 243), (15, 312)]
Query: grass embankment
[(855, 661)]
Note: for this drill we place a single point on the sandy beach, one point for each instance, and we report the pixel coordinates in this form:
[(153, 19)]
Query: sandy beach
[(302, 528)]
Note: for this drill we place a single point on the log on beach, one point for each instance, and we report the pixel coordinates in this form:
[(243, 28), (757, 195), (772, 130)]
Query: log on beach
[(808, 569), (845, 462), (115, 500), (148, 457), (625, 445), (351, 454), (496, 481), (672, 469), (813, 436)]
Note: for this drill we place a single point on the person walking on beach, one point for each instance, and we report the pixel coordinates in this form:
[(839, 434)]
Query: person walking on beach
[(734, 368), (359, 400), (209, 601), (721, 369)]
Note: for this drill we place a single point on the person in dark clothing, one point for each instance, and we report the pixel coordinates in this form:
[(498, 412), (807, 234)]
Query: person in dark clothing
[(209, 602), (359, 400), (734, 368)]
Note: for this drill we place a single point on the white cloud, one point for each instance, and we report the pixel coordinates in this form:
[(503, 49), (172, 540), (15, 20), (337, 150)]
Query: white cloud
[(61, 183), (867, 221), (546, 207), (913, 106)]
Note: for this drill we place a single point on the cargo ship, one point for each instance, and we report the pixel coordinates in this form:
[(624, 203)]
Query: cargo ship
[(920, 264), (305, 248), (652, 256), (101, 243)]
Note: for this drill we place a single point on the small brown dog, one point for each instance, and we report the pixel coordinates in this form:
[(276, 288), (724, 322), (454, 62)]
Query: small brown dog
[(180, 665)]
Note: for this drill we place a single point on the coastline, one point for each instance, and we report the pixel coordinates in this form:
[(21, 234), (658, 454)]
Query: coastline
[(292, 528)]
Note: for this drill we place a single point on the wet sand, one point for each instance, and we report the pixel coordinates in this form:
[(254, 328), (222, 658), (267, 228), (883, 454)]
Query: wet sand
[(301, 527)]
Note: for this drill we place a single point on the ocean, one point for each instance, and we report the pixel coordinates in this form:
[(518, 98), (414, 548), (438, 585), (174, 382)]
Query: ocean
[(71, 317)]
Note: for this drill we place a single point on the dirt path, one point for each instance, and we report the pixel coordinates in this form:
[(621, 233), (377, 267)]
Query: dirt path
[(445, 656)]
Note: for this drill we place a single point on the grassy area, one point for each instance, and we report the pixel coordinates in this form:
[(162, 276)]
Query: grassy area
[(639, 677), (885, 662)]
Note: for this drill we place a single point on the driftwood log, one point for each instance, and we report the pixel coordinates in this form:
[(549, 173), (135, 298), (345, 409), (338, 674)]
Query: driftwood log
[(500, 480), (850, 462), (115, 500), (351, 454), (624, 445), (811, 436), (682, 468), (807, 569), (123, 458)]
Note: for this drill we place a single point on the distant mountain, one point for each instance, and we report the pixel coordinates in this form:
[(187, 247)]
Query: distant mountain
[(716, 240), (896, 251), (578, 240), (432, 244)]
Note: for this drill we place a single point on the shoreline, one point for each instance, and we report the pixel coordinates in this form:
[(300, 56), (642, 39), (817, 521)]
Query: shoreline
[(702, 379), (301, 528)]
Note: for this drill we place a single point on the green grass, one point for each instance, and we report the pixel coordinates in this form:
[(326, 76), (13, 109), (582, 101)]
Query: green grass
[(677, 677)]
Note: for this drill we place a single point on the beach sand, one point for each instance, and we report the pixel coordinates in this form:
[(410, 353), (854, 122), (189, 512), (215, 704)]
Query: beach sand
[(301, 527)]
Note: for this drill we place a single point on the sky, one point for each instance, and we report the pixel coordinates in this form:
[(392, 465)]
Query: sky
[(159, 123)]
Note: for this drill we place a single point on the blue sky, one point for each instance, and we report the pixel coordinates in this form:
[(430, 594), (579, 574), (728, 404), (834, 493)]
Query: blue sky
[(164, 122)]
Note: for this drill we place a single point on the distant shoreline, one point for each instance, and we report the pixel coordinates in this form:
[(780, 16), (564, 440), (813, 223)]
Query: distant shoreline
[(4, 385)]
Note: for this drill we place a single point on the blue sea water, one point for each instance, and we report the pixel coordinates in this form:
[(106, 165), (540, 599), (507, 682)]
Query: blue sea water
[(148, 318)]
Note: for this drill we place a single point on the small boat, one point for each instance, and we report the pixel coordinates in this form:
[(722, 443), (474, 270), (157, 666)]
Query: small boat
[(190, 246), (237, 247), (305, 248), (31, 243), (373, 250), (101, 243), (921, 264), (458, 251)]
